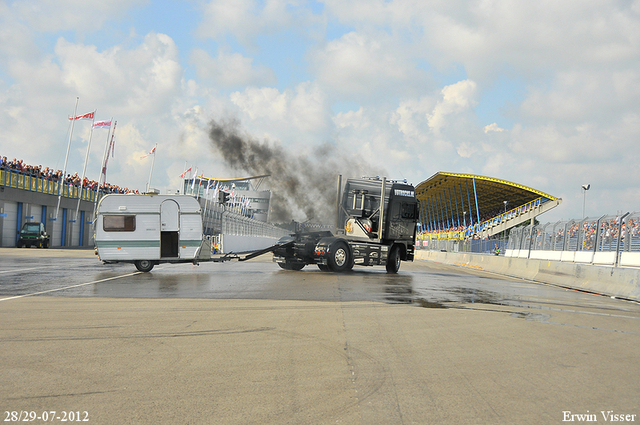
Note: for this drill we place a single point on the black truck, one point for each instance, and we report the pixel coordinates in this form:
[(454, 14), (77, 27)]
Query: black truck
[(376, 225)]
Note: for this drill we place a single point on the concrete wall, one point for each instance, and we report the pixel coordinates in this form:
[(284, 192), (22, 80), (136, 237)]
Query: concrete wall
[(621, 282)]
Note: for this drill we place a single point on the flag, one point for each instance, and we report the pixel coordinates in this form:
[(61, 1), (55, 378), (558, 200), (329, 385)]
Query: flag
[(208, 186), (216, 190), (184, 173), (150, 152), (102, 124), (193, 183), (87, 116)]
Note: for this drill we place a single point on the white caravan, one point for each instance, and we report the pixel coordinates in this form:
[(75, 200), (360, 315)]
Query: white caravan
[(150, 229)]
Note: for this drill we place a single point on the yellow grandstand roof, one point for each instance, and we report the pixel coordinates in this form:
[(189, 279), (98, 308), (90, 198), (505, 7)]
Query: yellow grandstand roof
[(238, 179), (446, 188)]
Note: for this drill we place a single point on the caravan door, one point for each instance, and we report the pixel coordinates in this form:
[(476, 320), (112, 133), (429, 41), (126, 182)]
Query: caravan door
[(169, 228)]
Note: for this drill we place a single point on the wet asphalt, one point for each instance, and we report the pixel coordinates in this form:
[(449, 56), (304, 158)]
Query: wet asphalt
[(251, 343), (79, 273)]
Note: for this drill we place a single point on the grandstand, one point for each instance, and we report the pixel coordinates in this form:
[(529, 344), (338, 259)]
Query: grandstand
[(463, 206)]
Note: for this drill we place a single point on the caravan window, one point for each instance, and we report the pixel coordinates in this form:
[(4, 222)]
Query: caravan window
[(119, 223)]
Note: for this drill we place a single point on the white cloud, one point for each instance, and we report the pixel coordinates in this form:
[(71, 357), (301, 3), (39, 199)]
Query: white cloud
[(139, 87), (427, 78), (305, 108), (141, 80), (247, 19), (231, 69), (360, 66), (265, 102), (456, 98), (411, 115), (353, 119), (493, 127)]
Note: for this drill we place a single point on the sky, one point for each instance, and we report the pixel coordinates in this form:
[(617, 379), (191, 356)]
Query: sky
[(545, 94)]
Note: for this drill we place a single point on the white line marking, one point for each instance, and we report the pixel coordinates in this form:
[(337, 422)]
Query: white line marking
[(69, 287), (23, 270)]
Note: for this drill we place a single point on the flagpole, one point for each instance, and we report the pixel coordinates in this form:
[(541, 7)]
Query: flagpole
[(111, 150), (206, 203), (84, 169), (182, 177), (153, 160), (64, 172), (103, 166)]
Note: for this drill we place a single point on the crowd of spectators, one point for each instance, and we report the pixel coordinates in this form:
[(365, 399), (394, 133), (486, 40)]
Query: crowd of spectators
[(49, 174), (583, 235)]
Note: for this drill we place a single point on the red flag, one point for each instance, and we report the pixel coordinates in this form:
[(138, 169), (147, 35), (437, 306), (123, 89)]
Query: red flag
[(152, 151), (184, 173), (87, 116), (102, 124)]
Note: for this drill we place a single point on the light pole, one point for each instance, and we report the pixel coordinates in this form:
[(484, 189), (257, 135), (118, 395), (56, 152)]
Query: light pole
[(504, 225), (585, 187)]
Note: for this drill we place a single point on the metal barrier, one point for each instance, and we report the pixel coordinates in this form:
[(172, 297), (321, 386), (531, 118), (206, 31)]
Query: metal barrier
[(18, 180), (480, 246), (220, 219), (607, 240), (233, 223)]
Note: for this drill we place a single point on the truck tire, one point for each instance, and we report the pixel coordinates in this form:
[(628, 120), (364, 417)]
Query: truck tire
[(340, 258), (393, 260), (144, 266)]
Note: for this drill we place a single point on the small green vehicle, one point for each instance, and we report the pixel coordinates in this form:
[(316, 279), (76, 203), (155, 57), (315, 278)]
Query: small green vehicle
[(33, 234)]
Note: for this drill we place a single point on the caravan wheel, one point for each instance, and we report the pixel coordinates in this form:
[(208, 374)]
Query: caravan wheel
[(144, 265)]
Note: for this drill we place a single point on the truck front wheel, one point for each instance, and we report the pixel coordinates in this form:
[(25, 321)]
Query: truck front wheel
[(144, 266), (340, 258), (393, 260)]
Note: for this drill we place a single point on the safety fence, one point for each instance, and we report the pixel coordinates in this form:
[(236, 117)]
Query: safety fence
[(488, 246), (223, 219), (607, 240), (232, 223)]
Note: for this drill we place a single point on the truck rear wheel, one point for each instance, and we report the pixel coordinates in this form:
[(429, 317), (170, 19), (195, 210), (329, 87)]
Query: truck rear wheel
[(340, 258), (144, 266), (393, 260)]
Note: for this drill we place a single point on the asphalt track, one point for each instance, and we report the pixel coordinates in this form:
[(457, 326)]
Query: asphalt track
[(248, 343)]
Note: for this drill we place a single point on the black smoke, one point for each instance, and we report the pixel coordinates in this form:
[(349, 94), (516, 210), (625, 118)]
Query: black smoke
[(302, 187)]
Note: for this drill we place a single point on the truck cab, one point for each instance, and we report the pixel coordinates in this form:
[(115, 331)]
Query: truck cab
[(361, 212)]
